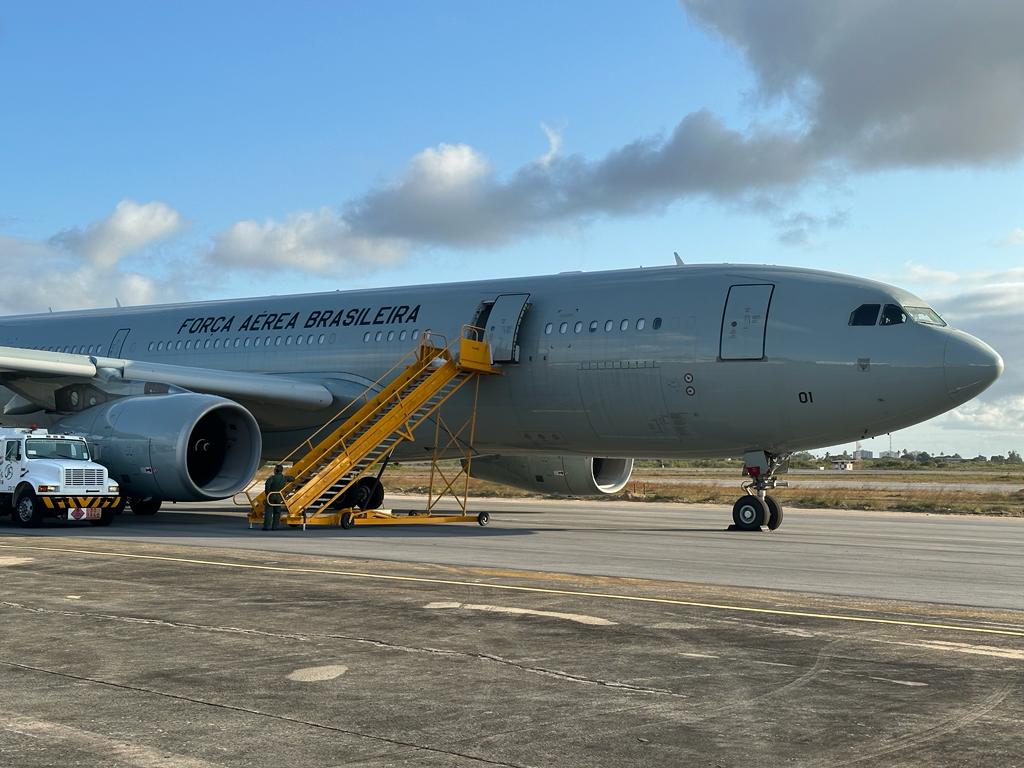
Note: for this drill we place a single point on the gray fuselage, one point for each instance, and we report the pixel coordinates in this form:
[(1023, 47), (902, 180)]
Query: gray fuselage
[(776, 367)]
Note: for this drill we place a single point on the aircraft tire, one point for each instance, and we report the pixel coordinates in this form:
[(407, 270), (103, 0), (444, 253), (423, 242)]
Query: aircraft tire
[(774, 513), (144, 506), (483, 518), (27, 512), (347, 520), (749, 513)]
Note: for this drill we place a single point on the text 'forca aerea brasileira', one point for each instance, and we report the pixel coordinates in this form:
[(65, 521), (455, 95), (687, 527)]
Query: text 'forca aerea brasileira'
[(318, 318)]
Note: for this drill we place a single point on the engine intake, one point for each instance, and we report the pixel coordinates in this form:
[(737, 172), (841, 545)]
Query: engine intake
[(556, 475), (177, 447)]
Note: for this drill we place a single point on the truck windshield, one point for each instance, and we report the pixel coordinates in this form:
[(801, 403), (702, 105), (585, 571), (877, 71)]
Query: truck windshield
[(49, 448)]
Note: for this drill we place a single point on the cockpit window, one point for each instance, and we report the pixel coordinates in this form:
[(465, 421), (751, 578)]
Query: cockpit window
[(925, 316), (893, 314), (865, 314)]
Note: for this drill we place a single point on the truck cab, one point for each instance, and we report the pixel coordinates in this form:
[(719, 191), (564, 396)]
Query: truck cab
[(52, 475)]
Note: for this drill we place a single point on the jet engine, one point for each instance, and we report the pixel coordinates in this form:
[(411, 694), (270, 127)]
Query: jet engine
[(556, 475), (178, 447)]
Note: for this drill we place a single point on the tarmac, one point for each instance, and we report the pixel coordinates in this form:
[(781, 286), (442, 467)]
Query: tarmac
[(188, 639)]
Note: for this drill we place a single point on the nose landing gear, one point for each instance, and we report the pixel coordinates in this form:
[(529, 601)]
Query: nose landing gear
[(756, 509)]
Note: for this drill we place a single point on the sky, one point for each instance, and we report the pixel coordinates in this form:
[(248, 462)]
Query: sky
[(162, 151)]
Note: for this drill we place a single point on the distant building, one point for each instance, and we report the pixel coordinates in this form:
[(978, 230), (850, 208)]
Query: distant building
[(861, 454), (889, 455)]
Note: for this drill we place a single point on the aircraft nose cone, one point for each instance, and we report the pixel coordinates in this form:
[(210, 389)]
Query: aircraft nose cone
[(971, 366)]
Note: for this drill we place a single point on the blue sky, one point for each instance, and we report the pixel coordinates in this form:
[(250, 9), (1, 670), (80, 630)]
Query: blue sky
[(316, 145)]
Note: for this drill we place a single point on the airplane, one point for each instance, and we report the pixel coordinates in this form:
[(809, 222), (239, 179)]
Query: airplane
[(182, 402)]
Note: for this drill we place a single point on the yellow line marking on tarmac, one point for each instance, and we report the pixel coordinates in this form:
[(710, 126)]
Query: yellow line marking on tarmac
[(539, 590)]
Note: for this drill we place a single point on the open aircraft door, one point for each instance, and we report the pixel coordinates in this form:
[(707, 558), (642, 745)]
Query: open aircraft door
[(744, 322), (502, 326)]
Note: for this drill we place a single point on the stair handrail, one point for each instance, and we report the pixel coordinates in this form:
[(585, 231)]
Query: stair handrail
[(425, 351), (364, 397)]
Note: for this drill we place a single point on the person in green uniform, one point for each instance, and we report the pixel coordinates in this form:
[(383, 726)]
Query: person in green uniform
[(272, 512)]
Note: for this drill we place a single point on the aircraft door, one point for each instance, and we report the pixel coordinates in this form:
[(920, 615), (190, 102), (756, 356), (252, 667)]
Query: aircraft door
[(117, 343), (502, 326), (744, 322)]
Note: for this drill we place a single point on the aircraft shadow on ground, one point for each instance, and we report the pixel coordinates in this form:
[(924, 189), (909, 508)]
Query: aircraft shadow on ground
[(191, 524)]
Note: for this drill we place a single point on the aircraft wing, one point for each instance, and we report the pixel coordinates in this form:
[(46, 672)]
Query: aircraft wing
[(58, 367)]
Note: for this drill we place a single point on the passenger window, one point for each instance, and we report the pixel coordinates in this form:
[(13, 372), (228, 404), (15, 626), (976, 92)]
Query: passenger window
[(402, 335), (416, 334), (548, 328), (159, 346), (216, 343), (624, 325), (257, 341), (206, 344), (608, 325), (578, 327), (298, 340), (378, 336), (656, 324), (151, 346), (865, 314), (563, 328), (13, 451), (321, 339), (366, 337), (640, 324), (593, 326), (892, 315), (391, 335)]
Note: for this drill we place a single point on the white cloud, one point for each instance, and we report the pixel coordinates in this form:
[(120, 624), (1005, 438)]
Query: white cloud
[(130, 227), (554, 138), (918, 273), (319, 242), (448, 166), (80, 268), (1005, 414)]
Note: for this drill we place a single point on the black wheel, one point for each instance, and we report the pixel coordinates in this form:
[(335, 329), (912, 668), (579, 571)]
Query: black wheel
[(774, 513), (367, 493), (144, 505), (106, 517), (347, 520), (483, 518), (749, 513), (28, 511)]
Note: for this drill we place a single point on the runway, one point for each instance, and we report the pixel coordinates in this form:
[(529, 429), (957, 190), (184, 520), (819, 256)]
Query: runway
[(563, 634), (943, 559)]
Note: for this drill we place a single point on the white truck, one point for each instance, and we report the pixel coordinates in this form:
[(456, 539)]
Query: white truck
[(48, 475)]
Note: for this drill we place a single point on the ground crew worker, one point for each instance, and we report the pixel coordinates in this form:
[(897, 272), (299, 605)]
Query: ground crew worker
[(272, 488)]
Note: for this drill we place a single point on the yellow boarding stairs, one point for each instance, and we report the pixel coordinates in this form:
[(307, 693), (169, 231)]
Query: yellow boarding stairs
[(332, 461)]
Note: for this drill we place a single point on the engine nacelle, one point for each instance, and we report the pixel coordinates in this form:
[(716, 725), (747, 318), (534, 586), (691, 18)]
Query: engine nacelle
[(177, 447), (557, 475)]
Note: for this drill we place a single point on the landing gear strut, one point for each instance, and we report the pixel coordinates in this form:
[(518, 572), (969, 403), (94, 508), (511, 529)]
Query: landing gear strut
[(756, 509)]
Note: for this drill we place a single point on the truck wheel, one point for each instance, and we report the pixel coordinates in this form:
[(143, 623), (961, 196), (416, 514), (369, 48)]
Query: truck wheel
[(27, 510), (144, 505), (106, 517)]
